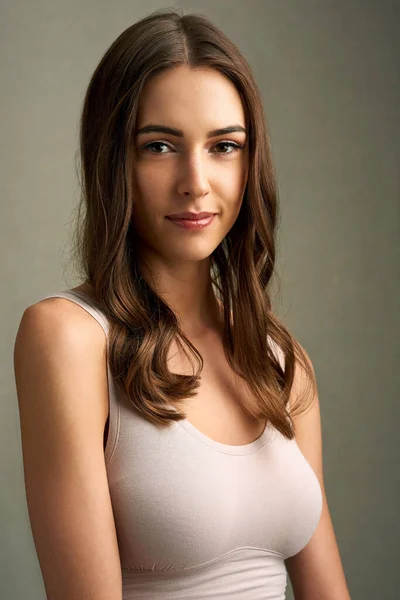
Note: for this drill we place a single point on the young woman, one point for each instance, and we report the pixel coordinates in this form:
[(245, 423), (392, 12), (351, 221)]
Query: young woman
[(148, 476)]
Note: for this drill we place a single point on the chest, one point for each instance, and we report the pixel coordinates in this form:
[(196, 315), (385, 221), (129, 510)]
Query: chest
[(181, 502), (222, 408)]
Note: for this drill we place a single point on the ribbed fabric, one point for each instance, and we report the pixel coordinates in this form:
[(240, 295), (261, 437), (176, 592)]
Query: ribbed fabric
[(197, 519)]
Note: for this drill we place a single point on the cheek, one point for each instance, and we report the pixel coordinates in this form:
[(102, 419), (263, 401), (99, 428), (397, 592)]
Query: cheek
[(233, 190), (234, 197), (234, 180), (149, 193)]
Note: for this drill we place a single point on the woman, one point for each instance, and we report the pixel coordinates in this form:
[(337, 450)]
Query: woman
[(146, 478)]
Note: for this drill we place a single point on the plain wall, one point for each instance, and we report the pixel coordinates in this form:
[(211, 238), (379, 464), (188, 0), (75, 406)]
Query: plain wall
[(329, 76)]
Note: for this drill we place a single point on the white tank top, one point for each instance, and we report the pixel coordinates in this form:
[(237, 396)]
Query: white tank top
[(197, 519)]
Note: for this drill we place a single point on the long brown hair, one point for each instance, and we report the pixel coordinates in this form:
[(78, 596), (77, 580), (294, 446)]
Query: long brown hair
[(143, 326)]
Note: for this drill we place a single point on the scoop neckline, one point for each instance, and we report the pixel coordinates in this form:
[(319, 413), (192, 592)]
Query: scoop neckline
[(241, 449), (227, 448)]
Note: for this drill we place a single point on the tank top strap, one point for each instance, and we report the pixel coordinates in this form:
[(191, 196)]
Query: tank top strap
[(277, 351), (88, 304), (279, 355)]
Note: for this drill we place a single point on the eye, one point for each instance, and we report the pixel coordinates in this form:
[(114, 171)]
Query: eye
[(234, 147), (151, 145)]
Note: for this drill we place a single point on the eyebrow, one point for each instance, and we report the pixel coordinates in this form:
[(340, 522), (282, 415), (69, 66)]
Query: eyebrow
[(179, 133)]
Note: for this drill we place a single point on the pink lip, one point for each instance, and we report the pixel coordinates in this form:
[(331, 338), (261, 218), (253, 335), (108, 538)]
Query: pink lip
[(193, 224), (190, 215)]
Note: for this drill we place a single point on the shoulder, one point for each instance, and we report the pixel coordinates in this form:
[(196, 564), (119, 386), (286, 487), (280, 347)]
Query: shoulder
[(58, 319), (60, 345)]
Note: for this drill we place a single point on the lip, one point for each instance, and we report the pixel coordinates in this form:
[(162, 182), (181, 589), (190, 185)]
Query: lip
[(191, 215), (193, 224)]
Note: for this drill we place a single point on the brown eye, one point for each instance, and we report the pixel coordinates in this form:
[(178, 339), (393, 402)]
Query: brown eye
[(235, 147), (152, 144)]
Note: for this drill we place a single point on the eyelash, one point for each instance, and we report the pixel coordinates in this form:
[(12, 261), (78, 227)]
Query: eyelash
[(235, 147)]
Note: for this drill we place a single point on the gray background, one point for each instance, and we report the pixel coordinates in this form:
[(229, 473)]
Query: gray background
[(329, 77)]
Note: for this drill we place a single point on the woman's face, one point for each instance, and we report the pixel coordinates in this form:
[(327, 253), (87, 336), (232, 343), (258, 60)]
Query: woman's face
[(190, 170)]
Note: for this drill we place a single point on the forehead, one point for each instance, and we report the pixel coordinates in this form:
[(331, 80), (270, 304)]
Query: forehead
[(190, 99)]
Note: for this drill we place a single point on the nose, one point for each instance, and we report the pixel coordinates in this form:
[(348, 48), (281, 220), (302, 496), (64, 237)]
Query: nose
[(193, 178)]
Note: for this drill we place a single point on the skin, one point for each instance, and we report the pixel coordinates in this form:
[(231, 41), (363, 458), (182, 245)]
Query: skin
[(190, 173)]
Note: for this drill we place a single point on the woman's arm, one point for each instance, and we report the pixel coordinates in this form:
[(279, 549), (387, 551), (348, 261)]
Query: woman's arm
[(316, 572), (61, 380)]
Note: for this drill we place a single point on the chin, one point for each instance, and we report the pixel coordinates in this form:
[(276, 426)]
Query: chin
[(192, 252)]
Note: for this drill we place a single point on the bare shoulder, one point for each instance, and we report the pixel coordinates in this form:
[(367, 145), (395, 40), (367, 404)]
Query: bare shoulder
[(62, 391), (67, 315), (56, 331)]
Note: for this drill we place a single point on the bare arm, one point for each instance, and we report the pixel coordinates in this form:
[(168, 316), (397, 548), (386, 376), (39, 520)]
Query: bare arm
[(61, 381), (316, 572)]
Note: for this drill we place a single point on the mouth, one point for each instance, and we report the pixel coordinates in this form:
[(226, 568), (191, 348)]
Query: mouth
[(191, 216), (193, 224)]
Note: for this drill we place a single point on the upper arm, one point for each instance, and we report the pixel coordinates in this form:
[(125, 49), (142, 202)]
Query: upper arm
[(316, 572), (61, 382)]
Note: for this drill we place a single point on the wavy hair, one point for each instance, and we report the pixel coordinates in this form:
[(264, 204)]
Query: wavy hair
[(258, 347)]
